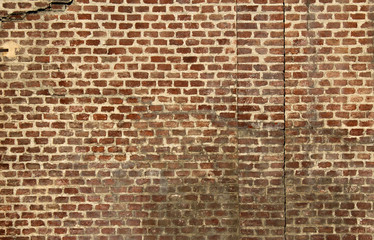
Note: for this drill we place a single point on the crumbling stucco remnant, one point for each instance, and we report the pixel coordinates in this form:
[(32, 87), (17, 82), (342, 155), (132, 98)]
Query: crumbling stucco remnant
[(12, 48)]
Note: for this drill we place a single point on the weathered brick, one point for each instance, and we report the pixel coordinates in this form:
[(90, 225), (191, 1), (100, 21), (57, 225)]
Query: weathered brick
[(326, 68), (149, 119)]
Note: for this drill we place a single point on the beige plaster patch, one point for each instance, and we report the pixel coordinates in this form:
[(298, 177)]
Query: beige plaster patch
[(12, 47)]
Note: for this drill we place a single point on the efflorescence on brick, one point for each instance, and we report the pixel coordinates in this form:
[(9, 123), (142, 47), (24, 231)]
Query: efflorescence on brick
[(186, 119)]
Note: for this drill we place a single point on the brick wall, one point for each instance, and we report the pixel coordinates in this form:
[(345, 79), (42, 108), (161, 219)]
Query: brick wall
[(329, 119), (186, 119), (260, 100)]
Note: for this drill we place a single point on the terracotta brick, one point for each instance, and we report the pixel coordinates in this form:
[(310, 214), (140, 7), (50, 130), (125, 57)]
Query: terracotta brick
[(203, 119)]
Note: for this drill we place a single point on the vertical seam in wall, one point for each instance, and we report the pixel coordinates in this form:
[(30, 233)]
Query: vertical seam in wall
[(284, 123), (237, 116)]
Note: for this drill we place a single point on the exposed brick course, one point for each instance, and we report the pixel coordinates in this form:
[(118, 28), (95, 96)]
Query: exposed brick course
[(329, 120), (186, 119)]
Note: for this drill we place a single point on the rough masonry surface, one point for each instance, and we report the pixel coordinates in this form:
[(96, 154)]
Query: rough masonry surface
[(186, 120)]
